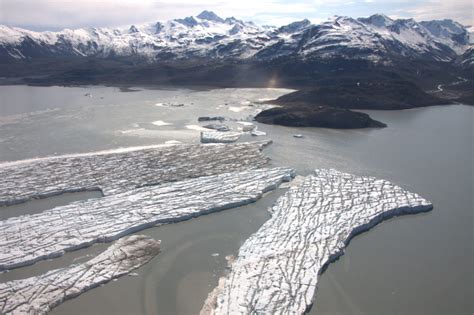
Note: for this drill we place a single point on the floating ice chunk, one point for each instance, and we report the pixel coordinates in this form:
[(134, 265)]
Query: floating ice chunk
[(245, 123), (196, 127), (116, 171), (173, 142), (39, 294), (277, 268), (142, 132), (219, 137), (27, 239), (132, 131), (247, 126), (298, 136), (218, 127), (169, 104), (256, 132), (161, 123), (236, 109)]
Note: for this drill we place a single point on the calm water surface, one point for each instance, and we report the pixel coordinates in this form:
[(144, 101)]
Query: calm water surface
[(419, 264)]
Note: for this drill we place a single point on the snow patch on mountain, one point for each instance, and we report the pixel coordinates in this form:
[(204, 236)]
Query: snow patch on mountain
[(210, 36)]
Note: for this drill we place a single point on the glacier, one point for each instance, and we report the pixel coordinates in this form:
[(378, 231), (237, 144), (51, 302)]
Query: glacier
[(277, 268), (39, 294)]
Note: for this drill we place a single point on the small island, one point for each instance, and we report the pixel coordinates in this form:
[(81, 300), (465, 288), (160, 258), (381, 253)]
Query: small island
[(317, 116)]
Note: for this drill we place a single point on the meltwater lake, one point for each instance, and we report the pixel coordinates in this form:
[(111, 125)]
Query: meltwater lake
[(418, 264)]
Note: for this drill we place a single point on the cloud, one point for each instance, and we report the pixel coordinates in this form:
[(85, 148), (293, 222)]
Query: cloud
[(58, 14), (459, 10), (79, 13)]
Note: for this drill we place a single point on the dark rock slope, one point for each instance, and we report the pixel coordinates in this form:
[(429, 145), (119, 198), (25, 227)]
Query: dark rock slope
[(382, 95)]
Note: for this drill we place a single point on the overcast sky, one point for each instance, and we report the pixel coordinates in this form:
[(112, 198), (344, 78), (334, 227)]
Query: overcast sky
[(59, 14)]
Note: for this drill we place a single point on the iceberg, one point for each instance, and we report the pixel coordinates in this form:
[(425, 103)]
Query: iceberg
[(160, 123), (27, 239), (119, 171), (277, 268), (246, 126), (39, 294), (257, 133), (218, 127), (219, 137)]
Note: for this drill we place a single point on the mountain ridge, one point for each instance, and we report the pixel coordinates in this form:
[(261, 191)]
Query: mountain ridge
[(377, 38)]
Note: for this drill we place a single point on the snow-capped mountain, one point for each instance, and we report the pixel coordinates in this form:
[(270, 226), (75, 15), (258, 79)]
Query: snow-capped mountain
[(208, 36)]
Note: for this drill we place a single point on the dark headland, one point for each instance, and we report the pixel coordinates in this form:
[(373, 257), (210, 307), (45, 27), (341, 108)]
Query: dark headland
[(329, 105)]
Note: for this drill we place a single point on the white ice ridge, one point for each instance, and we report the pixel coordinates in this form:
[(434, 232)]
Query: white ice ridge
[(219, 136), (116, 172), (27, 239), (277, 268), (39, 294)]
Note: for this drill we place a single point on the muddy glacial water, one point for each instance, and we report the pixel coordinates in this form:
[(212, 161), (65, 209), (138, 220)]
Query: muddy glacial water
[(419, 264)]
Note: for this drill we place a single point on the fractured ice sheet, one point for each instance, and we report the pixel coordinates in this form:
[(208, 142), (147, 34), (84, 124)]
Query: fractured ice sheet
[(277, 268), (30, 238), (39, 294), (118, 172)]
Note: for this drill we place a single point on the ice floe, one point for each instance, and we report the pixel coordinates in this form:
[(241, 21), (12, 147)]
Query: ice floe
[(161, 123), (196, 127), (121, 170), (236, 109), (246, 126), (219, 136), (39, 294), (27, 239), (173, 142), (169, 104), (277, 268), (218, 127), (256, 133)]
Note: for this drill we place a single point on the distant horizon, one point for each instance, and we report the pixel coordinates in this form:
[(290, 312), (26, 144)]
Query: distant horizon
[(56, 15)]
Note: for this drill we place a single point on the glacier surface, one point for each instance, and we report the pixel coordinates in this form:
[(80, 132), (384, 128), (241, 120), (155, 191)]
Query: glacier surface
[(39, 294), (119, 171), (277, 268), (27, 239)]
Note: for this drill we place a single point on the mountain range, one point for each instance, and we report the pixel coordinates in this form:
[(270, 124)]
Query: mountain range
[(377, 39)]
